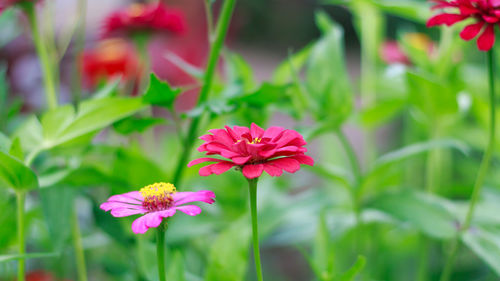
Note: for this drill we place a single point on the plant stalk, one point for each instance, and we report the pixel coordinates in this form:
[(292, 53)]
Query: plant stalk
[(160, 251), (483, 170), (81, 268), (47, 70), (21, 236), (216, 46), (252, 184)]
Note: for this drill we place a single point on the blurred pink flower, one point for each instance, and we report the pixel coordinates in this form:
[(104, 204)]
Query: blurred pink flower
[(144, 18), (253, 150), (392, 52), (155, 202), (486, 14)]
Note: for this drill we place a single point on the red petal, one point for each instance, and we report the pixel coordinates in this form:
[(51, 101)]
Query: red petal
[(272, 170), (448, 19), (205, 159), (253, 171), (256, 131), (471, 31), (304, 159), (487, 39), (288, 164)]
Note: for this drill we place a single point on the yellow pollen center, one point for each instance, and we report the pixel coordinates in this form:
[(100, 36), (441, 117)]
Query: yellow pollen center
[(158, 190), (135, 10), (253, 141)]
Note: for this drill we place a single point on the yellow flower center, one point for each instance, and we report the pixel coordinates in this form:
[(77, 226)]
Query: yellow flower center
[(135, 10), (253, 141), (158, 196)]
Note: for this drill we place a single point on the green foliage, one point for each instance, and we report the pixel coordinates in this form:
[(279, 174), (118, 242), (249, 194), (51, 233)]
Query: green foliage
[(160, 93), (14, 174), (485, 244)]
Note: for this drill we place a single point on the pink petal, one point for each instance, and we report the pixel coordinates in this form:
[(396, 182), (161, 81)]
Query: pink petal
[(471, 31), (304, 159), (205, 159), (106, 206), (253, 171), (288, 164), (487, 39), (206, 196), (133, 197), (448, 19), (273, 171), (191, 210), (241, 159), (256, 131), (272, 132), (217, 168), (142, 224), (240, 131), (125, 212), (490, 19)]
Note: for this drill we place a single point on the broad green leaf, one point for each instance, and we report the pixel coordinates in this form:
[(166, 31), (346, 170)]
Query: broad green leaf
[(63, 125), (30, 133), (417, 148), (381, 113), (228, 257), (108, 90), (426, 212), (14, 174), (5, 143), (176, 268), (265, 95), (240, 78), (5, 258), (160, 93), (351, 274), (16, 150), (486, 245), (326, 76), (133, 124), (57, 205)]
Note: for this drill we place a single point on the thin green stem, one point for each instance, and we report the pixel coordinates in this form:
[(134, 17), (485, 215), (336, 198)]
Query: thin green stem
[(21, 239), (160, 251), (81, 269), (351, 154), (210, 19), (252, 184), (79, 46), (483, 170), (45, 62), (216, 46)]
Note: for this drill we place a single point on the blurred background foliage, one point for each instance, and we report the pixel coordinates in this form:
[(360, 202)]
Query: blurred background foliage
[(395, 116)]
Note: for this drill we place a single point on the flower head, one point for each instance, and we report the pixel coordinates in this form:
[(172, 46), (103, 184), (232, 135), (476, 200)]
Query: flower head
[(253, 150), (111, 58), (392, 52), (486, 14), (155, 202), (144, 18)]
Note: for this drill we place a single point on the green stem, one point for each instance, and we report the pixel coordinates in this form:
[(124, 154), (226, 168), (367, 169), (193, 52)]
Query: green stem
[(353, 159), (79, 46), (220, 35), (160, 251), (48, 75), (78, 246), (210, 19), (252, 184), (483, 170), (21, 196)]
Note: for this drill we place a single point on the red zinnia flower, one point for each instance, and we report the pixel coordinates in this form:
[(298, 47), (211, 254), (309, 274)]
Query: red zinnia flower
[(253, 150), (144, 18), (485, 12), (111, 58)]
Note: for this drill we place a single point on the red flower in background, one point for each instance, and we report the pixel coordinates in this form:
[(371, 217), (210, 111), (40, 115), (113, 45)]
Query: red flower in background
[(392, 52), (485, 12), (41, 276), (111, 58), (254, 150), (144, 18)]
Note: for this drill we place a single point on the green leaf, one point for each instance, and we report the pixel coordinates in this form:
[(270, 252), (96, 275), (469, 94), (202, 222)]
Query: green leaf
[(14, 174), (228, 256), (16, 150), (62, 125), (133, 124), (417, 148), (265, 95), (429, 214), (326, 77), (240, 78), (323, 255), (108, 90), (176, 269), (5, 143), (486, 245), (285, 72), (30, 133), (381, 112), (350, 274), (5, 258), (57, 205), (160, 93)]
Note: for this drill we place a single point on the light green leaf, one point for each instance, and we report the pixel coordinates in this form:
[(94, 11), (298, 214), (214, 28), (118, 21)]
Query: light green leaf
[(266, 94), (486, 245), (5, 143), (160, 93), (14, 174), (30, 133), (228, 256), (133, 124), (16, 150), (57, 205), (381, 113), (350, 274), (426, 212), (5, 258), (176, 269)]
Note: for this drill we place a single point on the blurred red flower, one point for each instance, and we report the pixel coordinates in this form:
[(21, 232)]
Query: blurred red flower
[(110, 59), (486, 14), (40, 275), (392, 52), (144, 18)]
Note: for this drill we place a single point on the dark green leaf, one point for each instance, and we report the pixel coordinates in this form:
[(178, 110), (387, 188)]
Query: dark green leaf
[(160, 93), (133, 124), (354, 270), (16, 150)]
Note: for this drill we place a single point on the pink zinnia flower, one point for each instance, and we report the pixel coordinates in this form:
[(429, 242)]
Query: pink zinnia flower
[(144, 18), (485, 12), (155, 202), (253, 150)]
